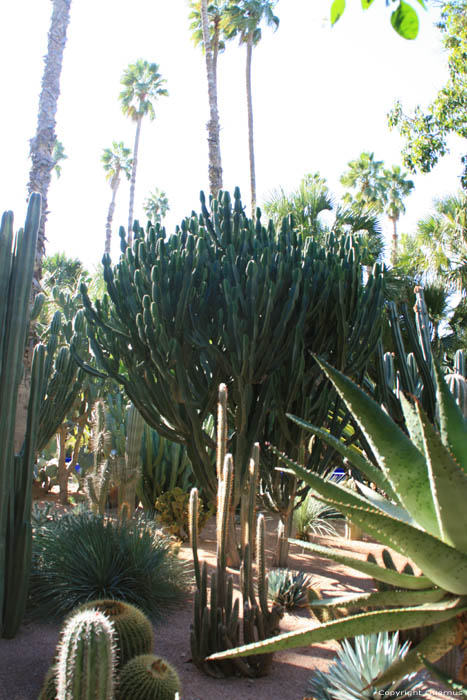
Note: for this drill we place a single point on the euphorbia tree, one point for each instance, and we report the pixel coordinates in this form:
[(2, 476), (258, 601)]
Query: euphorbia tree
[(225, 299)]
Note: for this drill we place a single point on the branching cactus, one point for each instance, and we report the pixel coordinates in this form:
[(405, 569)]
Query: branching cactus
[(86, 658), (218, 623)]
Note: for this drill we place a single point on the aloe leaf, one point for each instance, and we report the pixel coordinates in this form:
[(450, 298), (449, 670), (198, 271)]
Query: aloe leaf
[(378, 501), (365, 623), (381, 599), (401, 462), (378, 572), (444, 565), (433, 647), (352, 453), (412, 422), (453, 426), (459, 688), (448, 486)]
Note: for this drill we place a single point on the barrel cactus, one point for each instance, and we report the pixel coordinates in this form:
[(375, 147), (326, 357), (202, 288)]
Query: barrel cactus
[(148, 677), (86, 658), (133, 631), (419, 511)]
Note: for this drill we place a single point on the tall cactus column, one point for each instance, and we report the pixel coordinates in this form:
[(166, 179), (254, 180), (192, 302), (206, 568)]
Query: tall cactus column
[(16, 269)]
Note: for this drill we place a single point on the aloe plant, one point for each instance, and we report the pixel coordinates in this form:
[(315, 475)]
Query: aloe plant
[(419, 511)]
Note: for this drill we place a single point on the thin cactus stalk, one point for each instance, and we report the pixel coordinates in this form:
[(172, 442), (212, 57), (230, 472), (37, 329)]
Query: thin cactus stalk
[(217, 622)]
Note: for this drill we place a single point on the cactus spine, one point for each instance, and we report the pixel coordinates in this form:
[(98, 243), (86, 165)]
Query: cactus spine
[(217, 623), (86, 658), (148, 677)]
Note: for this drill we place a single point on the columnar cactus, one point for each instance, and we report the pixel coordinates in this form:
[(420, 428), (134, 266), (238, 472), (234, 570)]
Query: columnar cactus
[(227, 299), (217, 622), (86, 658)]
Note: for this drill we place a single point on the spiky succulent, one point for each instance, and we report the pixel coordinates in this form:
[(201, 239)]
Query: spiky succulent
[(350, 677), (422, 516), (313, 517), (292, 589)]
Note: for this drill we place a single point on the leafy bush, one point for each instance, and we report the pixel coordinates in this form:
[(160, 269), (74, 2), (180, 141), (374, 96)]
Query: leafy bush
[(292, 589), (82, 556), (172, 511), (351, 677), (312, 517)]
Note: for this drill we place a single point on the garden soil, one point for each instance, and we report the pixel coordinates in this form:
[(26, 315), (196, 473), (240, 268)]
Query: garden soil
[(25, 659)]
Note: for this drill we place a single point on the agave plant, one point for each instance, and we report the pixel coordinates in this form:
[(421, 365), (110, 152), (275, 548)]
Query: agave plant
[(292, 589), (356, 666), (313, 517), (418, 510)]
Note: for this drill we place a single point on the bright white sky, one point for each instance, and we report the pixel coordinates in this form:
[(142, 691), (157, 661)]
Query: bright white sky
[(321, 96)]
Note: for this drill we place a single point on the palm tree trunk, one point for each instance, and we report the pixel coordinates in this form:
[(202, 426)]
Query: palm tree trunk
[(251, 149), (41, 146), (110, 216), (394, 242), (133, 181), (213, 126)]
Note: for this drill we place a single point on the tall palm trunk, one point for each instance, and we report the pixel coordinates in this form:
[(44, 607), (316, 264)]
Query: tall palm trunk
[(213, 126), (133, 180), (249, 101), (110, 214), (41, 146), (394, 241)]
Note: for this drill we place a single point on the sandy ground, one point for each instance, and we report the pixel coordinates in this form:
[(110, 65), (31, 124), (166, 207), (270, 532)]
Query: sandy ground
[(25, 659)]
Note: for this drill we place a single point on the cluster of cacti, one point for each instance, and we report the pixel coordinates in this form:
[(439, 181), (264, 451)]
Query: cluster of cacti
[(422, 516), (292, 589), (51, 386), (164, 466), (227, 299), (172, 509), (217, 621), (86, 658), (104, 653), (133, 630)]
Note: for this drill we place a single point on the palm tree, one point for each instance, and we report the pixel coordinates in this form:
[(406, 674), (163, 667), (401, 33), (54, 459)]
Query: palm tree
[(156, 206), (206, 20), (42, 145), (116, 160), (244, 18), (143, 85), (366, 177), (397, 187)]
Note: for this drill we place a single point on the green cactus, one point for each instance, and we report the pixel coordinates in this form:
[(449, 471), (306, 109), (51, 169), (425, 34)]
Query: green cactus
[(148, 677), (133, 631), (98, 480), (49, 686), (226, 299), (217, 623), (86, 657)]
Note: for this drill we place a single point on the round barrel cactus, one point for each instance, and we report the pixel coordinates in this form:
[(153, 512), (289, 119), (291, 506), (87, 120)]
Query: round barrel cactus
[(148, 677)]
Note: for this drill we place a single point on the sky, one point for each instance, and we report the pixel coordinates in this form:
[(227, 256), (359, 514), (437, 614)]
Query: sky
[(321, 96)]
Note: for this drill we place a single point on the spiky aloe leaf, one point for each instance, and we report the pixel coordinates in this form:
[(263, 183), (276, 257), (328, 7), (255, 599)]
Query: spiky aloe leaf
[(381, 599), (453, 426), (412, 422), (433, 647), (352, 453), (378, 572), (365, 623), (401, 462), (459, 688), (378, 501), (448, 485)]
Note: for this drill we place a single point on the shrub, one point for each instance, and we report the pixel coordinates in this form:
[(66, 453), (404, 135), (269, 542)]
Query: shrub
[(351, 676), (84, 556), (292, 589), (312, 517), (172, 511)]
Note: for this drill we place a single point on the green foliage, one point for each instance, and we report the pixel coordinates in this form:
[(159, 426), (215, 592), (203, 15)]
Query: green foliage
[(148, 677), (404, 18), (58, 154), (86, 657), (424, 475), (83, 556), (142, 84), (172, 509), (350, 676), (133, 631), (426, 132), (156, 206), (116, 160), (291, 589), (312, 517)]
